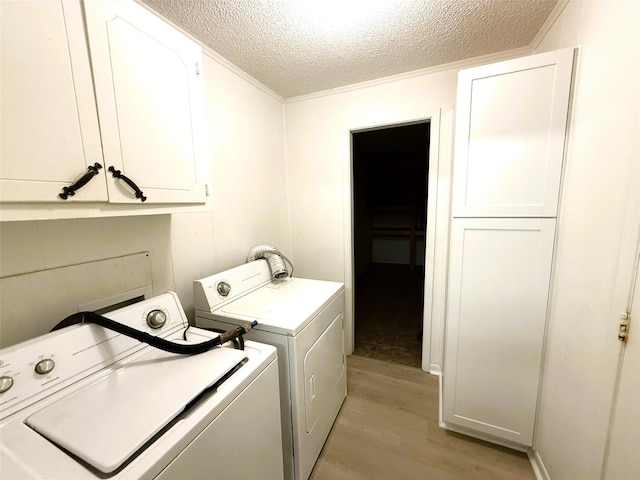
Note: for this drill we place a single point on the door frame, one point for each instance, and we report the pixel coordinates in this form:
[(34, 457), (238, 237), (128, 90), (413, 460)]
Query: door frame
[(618, 454), (438, 215)]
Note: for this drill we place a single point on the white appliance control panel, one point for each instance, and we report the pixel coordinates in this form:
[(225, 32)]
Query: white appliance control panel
[(216, 290), (31, 370)]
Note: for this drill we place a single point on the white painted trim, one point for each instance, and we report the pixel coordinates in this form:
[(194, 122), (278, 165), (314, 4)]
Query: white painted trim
[(12, 212), (471, 62), (470, 433), (208, 51), (287, 182), (537, 465), (430, 239), (441, 423), (486, 438), (442, 231), (466, 63), (625, 286), (432, 116), (347, 206), (240, 73), (534, 457), (549, 22)]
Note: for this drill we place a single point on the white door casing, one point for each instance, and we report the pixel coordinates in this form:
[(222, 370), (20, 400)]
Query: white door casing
[(437, 216), (622, 460)]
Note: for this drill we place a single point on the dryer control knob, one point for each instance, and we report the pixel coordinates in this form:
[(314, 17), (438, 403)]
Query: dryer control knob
[(156, 318), (45, 366), (223, 288), (6, 383)]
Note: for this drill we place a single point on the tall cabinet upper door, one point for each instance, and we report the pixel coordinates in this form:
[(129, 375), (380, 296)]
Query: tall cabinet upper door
[(49, 134), (510, 133), (150, 96)]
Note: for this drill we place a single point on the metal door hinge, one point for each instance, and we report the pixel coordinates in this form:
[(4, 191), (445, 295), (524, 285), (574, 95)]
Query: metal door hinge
[(623, 330), (197, 68), (206, 189)]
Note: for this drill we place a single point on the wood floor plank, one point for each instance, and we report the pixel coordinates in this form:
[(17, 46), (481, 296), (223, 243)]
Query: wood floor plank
[(388, 429)]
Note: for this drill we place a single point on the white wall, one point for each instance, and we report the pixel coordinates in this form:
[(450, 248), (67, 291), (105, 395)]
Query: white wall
[(246, 139), (318, 163), (315, 163), (250, 190), (32, 246), (599, 201), (590, 286)]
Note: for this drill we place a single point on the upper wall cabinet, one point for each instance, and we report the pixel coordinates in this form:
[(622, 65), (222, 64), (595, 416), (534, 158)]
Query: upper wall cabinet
[(508, 154), (150, 97), (87, 123), (49, 135)]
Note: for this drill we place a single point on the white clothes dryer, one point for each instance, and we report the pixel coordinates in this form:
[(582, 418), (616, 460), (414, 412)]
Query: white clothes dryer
[(304, 320)]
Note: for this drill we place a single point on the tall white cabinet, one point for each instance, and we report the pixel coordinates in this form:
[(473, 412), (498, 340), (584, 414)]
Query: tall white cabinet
[(510, 135)]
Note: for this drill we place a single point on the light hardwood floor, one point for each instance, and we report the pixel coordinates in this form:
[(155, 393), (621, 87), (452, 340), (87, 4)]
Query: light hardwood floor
[(388, 429)]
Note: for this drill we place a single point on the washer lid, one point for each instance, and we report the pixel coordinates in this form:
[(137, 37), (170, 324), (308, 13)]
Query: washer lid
[(283, 306), (106, 422)]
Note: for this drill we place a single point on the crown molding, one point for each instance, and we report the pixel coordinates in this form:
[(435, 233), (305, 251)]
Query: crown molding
[(217, 57), (467, 63), (549, 22)]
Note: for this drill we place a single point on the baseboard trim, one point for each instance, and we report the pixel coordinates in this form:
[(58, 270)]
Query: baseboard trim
[(535, 459), (538, 465)]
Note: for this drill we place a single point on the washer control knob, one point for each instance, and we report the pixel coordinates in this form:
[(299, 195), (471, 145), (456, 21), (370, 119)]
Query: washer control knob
[(223, 288), (44, 366), (6, 383), (156, 318)]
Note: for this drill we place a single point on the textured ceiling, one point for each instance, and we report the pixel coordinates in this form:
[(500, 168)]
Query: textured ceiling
[(297, 47)]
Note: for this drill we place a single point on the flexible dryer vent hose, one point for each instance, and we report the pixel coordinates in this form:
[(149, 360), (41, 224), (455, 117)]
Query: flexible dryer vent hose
[(275, 259)]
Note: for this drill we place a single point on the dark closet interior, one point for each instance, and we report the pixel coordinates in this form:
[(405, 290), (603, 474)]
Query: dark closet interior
[(390, 192)]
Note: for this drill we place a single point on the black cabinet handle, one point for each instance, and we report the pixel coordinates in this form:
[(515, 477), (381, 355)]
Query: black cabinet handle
[(128, 181), (92, 171)]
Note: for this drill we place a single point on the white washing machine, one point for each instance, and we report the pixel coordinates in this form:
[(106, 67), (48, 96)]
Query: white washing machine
[(85, 402), (304, 320)]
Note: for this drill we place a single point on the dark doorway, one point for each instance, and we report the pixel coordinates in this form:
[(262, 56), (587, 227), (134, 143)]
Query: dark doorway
[(390, 171)]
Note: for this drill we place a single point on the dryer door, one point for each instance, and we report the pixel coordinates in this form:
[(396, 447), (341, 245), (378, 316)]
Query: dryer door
[(323, 372), (318, 373)]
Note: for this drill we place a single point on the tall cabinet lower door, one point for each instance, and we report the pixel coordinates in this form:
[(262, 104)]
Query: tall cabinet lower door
[(499, 282)]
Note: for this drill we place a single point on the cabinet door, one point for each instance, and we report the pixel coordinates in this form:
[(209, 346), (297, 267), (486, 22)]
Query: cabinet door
[(49, 134), (498, 290), (510, 133), (149, 91)]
